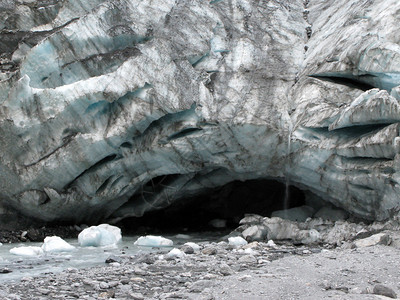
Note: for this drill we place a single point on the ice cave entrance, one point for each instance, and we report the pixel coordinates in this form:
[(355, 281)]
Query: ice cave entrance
[(229, 203)]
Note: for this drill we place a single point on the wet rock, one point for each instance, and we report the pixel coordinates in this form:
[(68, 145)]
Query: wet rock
[(195, 246), (383, 290), (5, 271), (187, 249), (147, 259), (35, 235), (113, 259)]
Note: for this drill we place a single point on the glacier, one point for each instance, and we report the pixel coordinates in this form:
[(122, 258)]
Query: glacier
[(110, 109)]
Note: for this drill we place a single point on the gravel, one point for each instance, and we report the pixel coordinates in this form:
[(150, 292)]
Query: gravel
[(282, 271)]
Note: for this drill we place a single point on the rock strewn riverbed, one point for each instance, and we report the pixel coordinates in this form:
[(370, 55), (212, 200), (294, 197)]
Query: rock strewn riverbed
[(219, 271)]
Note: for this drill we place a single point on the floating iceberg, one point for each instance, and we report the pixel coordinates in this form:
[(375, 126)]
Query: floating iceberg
[(27, 251), (56, 244), (153, 241), (101, 235)]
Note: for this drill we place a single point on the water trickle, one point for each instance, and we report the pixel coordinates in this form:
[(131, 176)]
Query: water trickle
[(286, 200)]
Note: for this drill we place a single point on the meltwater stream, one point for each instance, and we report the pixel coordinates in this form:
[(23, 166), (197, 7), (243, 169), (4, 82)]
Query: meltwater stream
[(81, 257)]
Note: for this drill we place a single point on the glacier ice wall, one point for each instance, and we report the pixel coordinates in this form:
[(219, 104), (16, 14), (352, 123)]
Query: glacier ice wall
[(113, 108)]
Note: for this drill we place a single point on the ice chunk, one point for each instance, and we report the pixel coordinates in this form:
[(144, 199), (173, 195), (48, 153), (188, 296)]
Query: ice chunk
[(56, 244), (101, 235), (194, 246), (27, 251), (153, 241), (175, 253), (237, 241)]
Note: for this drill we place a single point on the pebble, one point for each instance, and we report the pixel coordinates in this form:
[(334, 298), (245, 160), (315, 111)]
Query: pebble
[(245, 277), (139, 271), (136, 296), (104, 285), (383, 290), (27, 278), (43, 291), (199, 286), (247, 259), (138, 279), (112, 284), (72, 270), (209, 251), (106, 295), (226, 270), (187, 249)]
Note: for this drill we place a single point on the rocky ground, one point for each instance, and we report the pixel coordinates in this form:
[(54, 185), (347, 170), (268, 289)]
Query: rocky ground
[(37, 234), (366, 268)]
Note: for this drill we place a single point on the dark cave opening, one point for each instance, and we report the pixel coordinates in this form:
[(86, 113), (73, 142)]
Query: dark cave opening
[(229, 203)]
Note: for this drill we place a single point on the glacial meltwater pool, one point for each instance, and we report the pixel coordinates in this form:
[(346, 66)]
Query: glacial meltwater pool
[(81, 257)]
